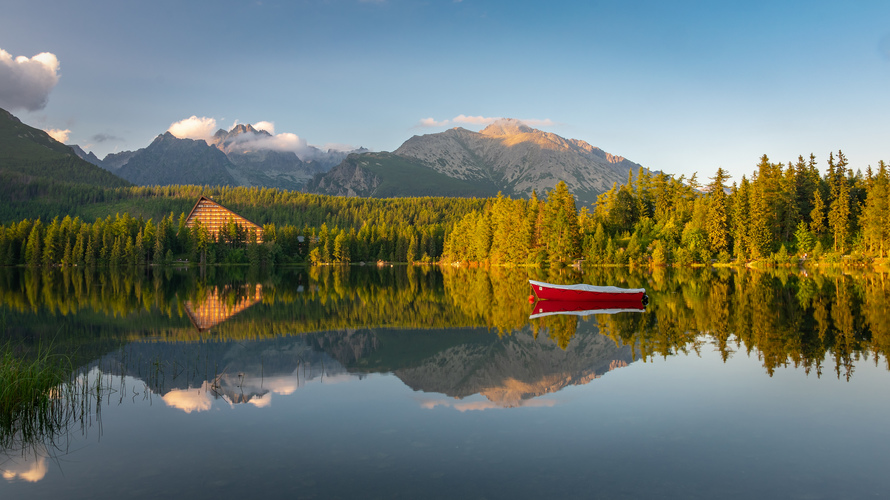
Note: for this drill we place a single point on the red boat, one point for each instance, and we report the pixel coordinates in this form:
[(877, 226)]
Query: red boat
[(586, 308), (582, 292)]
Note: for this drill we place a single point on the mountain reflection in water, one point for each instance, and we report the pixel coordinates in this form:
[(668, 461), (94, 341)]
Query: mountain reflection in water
[(507, 370), (432, 382), (193, 377)]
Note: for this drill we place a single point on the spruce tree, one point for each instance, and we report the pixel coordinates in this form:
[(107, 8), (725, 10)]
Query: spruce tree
[(817, 215), (717, 222), (33, 253)]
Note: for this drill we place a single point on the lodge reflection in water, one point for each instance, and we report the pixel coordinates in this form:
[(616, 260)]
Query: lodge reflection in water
[(221, 303)]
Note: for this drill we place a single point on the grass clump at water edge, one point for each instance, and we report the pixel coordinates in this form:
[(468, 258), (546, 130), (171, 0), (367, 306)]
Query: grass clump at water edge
[(30, 391)]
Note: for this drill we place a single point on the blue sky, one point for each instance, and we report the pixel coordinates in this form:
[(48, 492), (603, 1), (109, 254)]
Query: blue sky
[(679, 86)]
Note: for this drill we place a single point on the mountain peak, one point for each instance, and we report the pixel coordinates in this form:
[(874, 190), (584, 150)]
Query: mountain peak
[(244, 128), (507, 126), (239, 134)]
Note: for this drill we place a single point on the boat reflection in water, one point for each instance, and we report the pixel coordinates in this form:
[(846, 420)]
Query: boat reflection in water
[(544, 308)]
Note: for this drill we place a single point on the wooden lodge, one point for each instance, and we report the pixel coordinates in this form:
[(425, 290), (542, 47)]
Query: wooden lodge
[(214, 217)]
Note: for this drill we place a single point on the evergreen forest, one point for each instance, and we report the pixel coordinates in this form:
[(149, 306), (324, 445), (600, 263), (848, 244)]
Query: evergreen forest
[(786, 212)]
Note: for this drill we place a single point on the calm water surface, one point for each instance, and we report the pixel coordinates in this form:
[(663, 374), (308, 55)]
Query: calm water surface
[(425, 383)]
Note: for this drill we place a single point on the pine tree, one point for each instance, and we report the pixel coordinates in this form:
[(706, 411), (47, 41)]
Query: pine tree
[(67, 252), (742, 220), (759, 236), (560, 232), (139, 247), (77, 254), (90, 253), (875, 212), (817, 216), (717, 223), (130, 252), (790, 213), (341, 248), (839, 216), (51, 244), (117, 253), (33, 253)]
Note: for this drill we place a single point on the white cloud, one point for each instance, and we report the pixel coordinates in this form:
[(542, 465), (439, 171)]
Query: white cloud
[(279, 142), (194, 128), (267, 126), (475, 120), (262, 402), (26, 83), (533, 122), (431, 122), (189, 400), (59, 135), (30, 467)]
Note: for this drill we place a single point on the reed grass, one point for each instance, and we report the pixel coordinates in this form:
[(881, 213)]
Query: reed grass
[(31, 388)]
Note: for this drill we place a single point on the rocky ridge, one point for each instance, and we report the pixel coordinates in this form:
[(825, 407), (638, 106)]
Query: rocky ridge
[(507, 156)]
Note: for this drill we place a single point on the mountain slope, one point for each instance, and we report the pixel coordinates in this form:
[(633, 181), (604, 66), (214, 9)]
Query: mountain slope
[(27, 153), (169, 160), (386, 175), (506, 156)]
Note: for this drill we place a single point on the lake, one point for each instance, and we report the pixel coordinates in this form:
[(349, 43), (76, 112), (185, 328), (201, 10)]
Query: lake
[(427, 382)]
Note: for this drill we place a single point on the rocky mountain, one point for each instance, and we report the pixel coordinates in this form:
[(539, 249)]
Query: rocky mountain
[(114, 161), (506, 156), (250, 157), (83, 155), (170, 160), (28, 154), (255, 164), (386, 175)]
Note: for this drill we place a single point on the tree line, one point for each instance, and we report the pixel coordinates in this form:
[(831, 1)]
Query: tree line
[(784, 212)]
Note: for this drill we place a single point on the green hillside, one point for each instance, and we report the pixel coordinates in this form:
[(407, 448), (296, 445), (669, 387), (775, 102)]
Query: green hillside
[(388, 175), (28, 154), (400, 176)]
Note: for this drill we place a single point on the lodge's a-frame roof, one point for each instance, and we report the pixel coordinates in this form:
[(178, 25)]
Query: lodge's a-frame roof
[(204, 198)]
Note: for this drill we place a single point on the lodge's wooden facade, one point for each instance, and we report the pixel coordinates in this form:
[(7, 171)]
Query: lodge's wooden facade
[(214, 218)]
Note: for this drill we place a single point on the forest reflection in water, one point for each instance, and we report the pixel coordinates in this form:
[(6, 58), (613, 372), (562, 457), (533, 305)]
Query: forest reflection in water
[(455, 341), (785, 317)]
